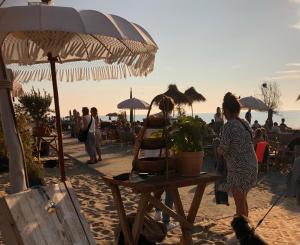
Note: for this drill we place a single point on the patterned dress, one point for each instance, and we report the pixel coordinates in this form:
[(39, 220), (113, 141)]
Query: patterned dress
[(240, 157)]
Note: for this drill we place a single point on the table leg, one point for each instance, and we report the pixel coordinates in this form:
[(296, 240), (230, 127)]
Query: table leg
[(196, 203), (122, 215), (139, 218), (186, 233)]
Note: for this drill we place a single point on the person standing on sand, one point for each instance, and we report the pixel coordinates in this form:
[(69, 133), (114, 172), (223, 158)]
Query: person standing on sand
[(248, 116), (219, 120), (237, 148), (90, 141), (94, 114)]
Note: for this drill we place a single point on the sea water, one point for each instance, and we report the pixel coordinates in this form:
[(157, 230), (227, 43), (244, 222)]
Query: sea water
[(292, 117)]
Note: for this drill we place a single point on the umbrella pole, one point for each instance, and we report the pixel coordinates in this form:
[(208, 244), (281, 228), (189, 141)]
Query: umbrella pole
[(17, 168), (52, 61), (192, 111)]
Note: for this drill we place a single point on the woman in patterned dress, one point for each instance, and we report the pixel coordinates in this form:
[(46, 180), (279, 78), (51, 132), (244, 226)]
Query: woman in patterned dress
[(237, 148)]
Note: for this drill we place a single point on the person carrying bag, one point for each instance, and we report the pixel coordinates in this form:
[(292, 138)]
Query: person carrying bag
[(83, 134)]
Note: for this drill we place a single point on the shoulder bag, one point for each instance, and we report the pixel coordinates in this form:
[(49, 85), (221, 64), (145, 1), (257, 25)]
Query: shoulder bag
[(83, 134)]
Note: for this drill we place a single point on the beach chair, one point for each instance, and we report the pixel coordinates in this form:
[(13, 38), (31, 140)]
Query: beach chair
[(262, 154)]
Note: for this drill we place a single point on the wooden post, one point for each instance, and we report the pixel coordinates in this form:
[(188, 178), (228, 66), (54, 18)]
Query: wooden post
[(122, 214), (12, 139), (52, 61), (186, 238), (139, 219)]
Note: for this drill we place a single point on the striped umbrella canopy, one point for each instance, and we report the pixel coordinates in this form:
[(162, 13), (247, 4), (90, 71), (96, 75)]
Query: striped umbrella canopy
[(133, 103), (253, 103)]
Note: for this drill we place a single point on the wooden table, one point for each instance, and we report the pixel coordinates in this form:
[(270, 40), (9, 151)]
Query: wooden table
[(154, 184)]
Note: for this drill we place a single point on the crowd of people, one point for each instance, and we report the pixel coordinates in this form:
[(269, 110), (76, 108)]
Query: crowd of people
[(116, 130)]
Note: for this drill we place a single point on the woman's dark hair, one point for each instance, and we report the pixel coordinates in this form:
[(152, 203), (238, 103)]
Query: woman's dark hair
[(231, 103), (166, 104), (258, 133), (85, 111)]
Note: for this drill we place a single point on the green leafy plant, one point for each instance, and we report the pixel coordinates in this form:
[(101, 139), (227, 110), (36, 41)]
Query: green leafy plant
[(35, 170), (37, 105), (187, 134)]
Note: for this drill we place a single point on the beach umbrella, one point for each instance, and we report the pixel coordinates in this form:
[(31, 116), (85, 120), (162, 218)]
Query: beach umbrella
[(298, 97), (133, 104), (40, 34), (194, 96), (253, 103), (112, 114), (173, 92)]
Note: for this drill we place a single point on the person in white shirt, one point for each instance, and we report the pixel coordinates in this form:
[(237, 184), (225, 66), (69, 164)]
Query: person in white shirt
[(90, 145), (94, 113)]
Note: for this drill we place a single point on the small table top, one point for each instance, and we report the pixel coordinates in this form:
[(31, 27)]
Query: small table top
[(155, 183)]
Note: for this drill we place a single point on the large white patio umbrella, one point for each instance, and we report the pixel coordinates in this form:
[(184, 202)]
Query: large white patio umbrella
[(133, 104), (32, 35), (253, 103)]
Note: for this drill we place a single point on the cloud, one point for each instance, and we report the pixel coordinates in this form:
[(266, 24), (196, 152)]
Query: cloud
[(237, 66), (293, 64), (296, 26), (288, 72), (283, 77), (295, 1)]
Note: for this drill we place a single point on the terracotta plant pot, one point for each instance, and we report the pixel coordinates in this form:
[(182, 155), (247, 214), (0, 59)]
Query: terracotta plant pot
[(189, 163)]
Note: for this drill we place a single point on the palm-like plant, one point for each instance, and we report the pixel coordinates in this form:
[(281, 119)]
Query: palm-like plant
[(37, 105)]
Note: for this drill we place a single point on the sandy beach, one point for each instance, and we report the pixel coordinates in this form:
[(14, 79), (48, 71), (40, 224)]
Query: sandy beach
[(281, 226)]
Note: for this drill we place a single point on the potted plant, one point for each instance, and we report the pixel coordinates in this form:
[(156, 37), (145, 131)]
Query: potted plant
[(37, 105), (185, 139)]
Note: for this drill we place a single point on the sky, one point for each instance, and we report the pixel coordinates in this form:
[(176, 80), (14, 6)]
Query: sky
[(214, 45)]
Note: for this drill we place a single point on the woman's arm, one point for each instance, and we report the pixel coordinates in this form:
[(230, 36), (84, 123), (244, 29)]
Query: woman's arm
[(138, 142)]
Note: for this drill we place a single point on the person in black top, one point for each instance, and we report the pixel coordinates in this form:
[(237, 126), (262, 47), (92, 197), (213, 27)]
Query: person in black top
[(248, 116)]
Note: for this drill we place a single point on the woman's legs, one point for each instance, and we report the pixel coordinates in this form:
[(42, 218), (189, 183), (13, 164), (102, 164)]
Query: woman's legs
[(90, 147), (168, 203), (241, 204), (98, 144)]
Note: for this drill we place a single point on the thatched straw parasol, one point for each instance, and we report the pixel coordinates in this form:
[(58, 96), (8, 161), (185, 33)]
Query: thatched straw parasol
[(178, 97), (194, 96)]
